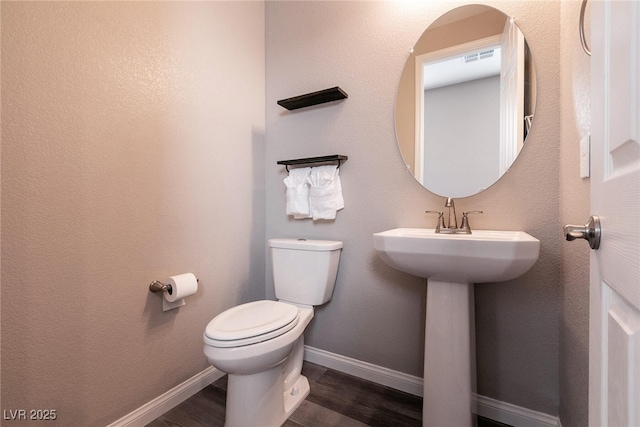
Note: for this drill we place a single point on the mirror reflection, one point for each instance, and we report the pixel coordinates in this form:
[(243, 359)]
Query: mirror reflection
[(465, 101)]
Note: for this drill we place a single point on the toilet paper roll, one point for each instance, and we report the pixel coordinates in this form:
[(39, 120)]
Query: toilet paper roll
[(182, 286)]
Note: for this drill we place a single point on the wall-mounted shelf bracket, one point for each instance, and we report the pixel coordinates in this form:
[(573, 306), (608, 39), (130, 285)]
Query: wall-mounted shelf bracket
[(311, 160), (314, 98)]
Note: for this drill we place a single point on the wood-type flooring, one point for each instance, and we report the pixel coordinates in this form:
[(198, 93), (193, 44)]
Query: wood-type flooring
[(336, 399)]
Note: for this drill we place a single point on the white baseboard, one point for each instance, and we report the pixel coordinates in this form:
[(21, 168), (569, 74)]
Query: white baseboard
[(167, 401), (377, 374), (513, 415), (486, 407)]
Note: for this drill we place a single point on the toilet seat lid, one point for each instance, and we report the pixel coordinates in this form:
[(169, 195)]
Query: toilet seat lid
[(251, 323)]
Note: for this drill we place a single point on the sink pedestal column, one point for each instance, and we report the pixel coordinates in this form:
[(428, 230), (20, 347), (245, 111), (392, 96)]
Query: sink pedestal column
[(449, 359)]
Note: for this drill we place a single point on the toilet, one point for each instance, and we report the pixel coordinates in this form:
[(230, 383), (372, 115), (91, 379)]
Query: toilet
[(260, 344)]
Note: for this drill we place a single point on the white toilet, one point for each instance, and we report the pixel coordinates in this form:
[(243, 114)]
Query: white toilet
[(261, 344)]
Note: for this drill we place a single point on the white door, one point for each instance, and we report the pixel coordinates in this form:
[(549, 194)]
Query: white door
[(614, 347)]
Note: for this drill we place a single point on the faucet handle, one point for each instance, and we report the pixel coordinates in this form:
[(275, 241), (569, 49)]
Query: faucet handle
[(465, 221), (440, 220)]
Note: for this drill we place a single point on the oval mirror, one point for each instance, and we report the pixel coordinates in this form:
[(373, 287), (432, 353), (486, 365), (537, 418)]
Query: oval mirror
[(465, 101)]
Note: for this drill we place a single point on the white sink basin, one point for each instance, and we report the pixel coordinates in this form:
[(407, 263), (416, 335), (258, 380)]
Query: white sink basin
[(483, 256)]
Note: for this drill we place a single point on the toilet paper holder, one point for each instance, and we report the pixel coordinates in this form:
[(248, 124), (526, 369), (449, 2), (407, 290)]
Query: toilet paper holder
[(158, 286)]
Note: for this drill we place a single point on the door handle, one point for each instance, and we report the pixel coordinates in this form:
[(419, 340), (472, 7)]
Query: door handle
[(591, 232)]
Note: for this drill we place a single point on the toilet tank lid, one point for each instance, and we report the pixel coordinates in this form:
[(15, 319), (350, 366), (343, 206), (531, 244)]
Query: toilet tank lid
[(305, 245)]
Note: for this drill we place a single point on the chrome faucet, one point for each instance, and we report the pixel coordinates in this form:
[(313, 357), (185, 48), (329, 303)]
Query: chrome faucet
[(452, 226)]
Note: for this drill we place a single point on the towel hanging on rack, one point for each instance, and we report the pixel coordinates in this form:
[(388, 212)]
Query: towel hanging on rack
[(298, 193), (314, 192), (325, 192)]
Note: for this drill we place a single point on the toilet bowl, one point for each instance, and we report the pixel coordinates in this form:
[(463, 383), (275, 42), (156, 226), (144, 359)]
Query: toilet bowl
[(260, 344)]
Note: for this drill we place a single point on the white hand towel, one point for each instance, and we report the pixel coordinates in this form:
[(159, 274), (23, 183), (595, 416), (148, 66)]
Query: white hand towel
[(325, 192), (298, 193)]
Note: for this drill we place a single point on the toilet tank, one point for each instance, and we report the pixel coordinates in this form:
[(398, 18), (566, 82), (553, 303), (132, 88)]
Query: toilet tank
[(304, 271)]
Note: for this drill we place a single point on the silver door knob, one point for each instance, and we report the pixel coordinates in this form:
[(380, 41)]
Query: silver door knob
[(590, 231)]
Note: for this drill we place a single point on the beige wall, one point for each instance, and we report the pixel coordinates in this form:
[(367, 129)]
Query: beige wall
[(132, 149), (376, 314), (574, 209)]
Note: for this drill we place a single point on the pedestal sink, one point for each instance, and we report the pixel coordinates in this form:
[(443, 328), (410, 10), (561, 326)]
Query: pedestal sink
[(452, 263)]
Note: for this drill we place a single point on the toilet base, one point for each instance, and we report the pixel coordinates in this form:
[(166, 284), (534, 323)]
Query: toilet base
[(295, 396), (258, 400)]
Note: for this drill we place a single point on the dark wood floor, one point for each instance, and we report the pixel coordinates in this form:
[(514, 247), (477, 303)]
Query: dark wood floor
[(336, 399)]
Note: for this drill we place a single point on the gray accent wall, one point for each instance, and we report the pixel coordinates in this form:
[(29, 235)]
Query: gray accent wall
[(376, 314)]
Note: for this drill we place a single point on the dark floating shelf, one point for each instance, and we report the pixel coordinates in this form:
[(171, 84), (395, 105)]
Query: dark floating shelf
[(314, 98), (321, 159)]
